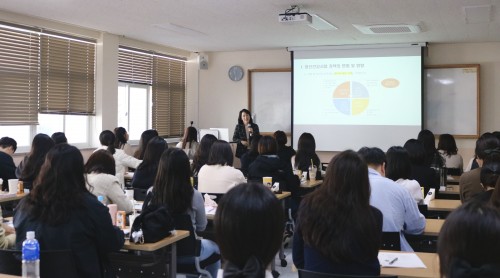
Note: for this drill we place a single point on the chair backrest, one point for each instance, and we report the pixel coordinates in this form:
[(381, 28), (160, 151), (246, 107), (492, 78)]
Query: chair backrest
[(140, 194), (423, 209), (57, 263), (391, 241), (311, 274), (454, 171)]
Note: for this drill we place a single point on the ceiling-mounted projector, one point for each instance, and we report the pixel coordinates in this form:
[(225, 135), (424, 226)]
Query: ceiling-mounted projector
[(304, 18)]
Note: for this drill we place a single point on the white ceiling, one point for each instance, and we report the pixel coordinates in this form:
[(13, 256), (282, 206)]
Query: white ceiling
[(232, 25)]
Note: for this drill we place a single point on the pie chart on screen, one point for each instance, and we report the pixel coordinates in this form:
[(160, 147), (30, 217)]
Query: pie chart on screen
[(351, 98)]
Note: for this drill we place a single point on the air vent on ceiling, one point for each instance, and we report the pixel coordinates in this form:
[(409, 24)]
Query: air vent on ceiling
[(379, 29)]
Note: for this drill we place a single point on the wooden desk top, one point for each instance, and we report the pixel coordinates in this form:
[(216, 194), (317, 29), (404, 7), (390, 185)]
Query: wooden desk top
[(430, 260), (180, 234), (451, 189), (443, 205), (433, 227), (8, 276), (311, 184), (12, 198)]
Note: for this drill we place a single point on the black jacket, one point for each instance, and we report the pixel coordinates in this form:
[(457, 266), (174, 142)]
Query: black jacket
[(240, 134), (273, 166), (7, 169)]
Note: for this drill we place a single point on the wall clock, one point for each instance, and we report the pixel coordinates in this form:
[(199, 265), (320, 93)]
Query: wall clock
[(235, 73)]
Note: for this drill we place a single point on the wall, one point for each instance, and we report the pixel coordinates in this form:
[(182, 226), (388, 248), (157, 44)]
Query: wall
[(220, 99)]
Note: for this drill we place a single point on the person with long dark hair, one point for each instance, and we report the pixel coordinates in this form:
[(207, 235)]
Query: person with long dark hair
[(143, 142), (250, 156), (101, 180), (306, 154), (121, 140), (122, 160), (447, 148), (398, 169), (468, 244), (432, 157), (219, 175), (189, 142), (284, 152), (66, 216), (423, 174), (29, 168), (244, 132), (172, 187), (201, 155), (246, 246), (145, 173), (337, 230)]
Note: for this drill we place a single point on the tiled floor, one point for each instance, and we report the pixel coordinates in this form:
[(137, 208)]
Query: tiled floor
[(286, 272)]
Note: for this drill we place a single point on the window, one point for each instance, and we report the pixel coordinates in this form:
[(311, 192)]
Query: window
[(75, 127), (167, 77), (134, 108)]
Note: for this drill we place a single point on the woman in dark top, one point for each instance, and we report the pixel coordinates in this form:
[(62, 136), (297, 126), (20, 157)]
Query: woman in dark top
[(145, 173), (244, 132), (432, 156), (30, 166), (201, 156), (284, 152), (250, 156), (425, 175), (468, 244), (66, 216), (306, 152), (338, 231), (143, 142)]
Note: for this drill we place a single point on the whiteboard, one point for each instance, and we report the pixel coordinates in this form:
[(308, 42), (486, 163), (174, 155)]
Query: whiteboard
[(451, 100), (270, 99)]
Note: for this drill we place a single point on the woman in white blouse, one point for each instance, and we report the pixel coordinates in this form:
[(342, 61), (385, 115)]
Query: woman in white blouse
[(219, 175), (101, 180), (122, 160), (447, 147), (398, 169)]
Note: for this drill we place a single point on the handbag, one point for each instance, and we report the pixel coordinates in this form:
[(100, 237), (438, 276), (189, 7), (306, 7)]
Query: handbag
[(153, 224)]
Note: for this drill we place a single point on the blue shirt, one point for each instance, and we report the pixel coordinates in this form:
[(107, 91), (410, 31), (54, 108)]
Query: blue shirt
[(400, 212)]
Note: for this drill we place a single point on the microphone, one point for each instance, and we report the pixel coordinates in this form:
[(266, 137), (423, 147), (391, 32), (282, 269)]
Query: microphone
[(251, 132)]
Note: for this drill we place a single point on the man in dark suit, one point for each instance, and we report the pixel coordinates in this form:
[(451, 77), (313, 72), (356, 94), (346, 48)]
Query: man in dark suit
[(8, 147)]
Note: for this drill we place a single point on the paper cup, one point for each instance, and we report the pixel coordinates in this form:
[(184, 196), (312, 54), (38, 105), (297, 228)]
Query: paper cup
[(312, 173), (13, 186), (267, 181)]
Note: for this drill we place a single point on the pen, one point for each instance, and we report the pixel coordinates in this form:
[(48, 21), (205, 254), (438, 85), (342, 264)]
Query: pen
[(393, 260)]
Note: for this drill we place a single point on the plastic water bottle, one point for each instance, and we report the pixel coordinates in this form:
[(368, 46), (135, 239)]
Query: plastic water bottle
[(31, 256), (100, 198)]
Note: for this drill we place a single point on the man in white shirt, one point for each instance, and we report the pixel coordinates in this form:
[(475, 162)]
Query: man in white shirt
[(400, 212)]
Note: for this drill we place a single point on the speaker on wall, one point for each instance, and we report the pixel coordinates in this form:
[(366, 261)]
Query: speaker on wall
[(203, 61)]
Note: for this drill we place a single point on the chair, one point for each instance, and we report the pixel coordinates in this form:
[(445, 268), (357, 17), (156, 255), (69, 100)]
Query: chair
[(191, 247), (311, 274), (55, 263), (140, 194), (454, 171), (391, 241), (132, 264)]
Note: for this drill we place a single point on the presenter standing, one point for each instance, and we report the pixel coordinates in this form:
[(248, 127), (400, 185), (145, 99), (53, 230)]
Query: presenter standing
[(244, 132)]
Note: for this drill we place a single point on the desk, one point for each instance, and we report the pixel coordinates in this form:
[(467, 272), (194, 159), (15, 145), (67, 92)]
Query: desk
[(433, 227), (169, 241), (11, 198), (451, 189), (430, 260), (311, 184), (8, 276), (443, 205)]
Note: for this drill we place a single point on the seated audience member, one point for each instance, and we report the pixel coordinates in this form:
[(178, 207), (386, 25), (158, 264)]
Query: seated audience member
[(143, 142), (306, 153), (8, 147), (59, 138), (189, 142), (144, 175), (201, 155), (7, 234), (448, 150), (219, 175), (250, 156), (489, 176), (399, 210), (284, 152), (470, 182), (398, 169), (65, 216), (172, 187), (122, 160), (101, 180), (425, 175), (30, 166), (121, 139), (468, 244), (432, 157), (248, 248), (337, 230)]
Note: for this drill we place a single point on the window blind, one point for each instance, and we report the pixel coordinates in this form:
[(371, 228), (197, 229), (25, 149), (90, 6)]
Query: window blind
[(169, 96), (19, 78), (134, 67), (67, 76)]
